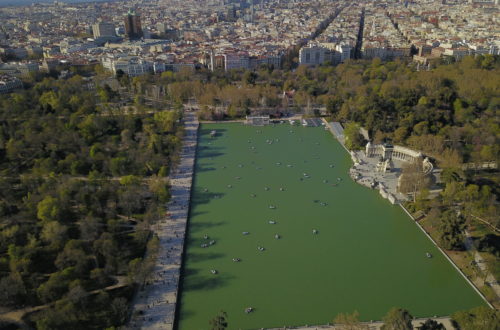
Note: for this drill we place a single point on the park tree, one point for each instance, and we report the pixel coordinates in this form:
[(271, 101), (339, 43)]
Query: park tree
[(74, 255), (450, 174), (12, 289), (413, 178), (479, 318), (119, 310), (158, 186), (219, 322), (249, 77), (56, 286), (50, 101), (451, 226), (431, 324), (349, 321), (54, 233), (166, 120), (353, 138), (49, 209), (400, 134), (107, 251), (397, 319)]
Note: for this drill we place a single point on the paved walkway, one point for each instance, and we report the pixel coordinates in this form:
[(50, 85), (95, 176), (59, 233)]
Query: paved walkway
[(446, 321), (155, 305)]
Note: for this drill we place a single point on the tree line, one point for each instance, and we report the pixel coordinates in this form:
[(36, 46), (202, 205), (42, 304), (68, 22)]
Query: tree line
[(80, 188), (479, 318)]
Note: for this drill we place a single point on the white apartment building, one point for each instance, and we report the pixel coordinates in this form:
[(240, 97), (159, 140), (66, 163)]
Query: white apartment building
[(132, 66), (345, 52), (314, 55), (103, 29)]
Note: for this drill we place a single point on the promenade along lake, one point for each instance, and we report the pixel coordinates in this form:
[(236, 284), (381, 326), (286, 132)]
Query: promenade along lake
[(366, 255)]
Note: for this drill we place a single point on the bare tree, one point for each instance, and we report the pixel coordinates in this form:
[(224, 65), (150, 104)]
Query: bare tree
[(349, 321), (413, 178)]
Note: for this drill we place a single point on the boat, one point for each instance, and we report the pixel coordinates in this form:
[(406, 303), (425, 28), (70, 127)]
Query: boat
[(315, 231), (213, 271), (266, 188), (260, 248), (248, 310), (277, 236), (205, 236), (229, 186), (204, 245), (272, 207), (245, 233), (252, 195), (282, 189), (278, 163), (212, 242), (272, 222), (428, 255), (236, 259), (331, 165)]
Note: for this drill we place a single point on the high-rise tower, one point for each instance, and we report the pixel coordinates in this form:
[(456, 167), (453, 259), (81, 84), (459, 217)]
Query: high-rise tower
[(133, 28)]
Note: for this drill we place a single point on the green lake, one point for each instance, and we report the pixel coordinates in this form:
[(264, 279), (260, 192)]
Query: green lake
[(367, 254)]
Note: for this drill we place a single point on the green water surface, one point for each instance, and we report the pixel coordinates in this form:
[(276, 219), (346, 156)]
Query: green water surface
[(368, 255)]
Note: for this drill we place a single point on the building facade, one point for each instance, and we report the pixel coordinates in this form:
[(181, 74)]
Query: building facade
[(103, 29), (9, 83)]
